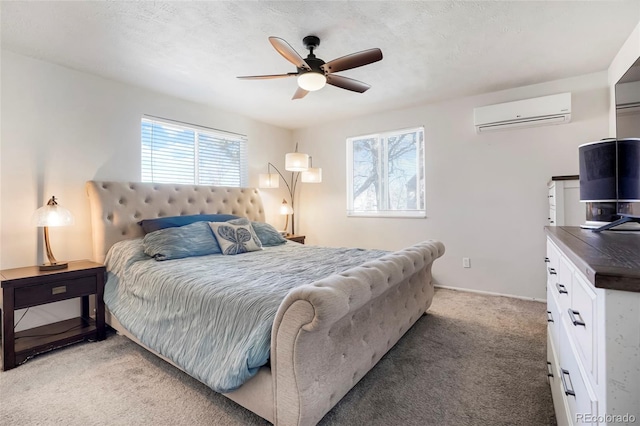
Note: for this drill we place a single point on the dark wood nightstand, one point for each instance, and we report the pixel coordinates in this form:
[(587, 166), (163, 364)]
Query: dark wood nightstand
[(26, 287), (296, 238)]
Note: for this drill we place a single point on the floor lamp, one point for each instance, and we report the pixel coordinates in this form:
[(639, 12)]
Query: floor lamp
[(301, 168)]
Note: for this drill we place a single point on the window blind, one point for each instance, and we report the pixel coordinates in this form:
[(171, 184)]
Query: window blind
[(177, 153)]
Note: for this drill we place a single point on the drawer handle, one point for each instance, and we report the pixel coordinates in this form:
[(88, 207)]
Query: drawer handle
[(59, 290), (551, 221), (546, 260), (550, 196), (549, 316), (549, 370), (576, 322), (567, 391), (561, 288), (552, 271)]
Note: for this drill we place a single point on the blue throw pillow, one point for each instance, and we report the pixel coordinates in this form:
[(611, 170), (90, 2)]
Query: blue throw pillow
[(267, 234), (195, 239), (150, 225)]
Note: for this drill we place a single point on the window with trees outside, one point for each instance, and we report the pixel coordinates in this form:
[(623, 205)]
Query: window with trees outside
[(174, 152), (385, 174)]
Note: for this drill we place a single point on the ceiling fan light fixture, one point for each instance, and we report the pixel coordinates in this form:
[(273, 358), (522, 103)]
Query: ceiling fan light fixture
[(314, 73), (312, 81)]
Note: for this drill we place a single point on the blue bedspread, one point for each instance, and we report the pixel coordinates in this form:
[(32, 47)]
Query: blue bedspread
[(212, 315)]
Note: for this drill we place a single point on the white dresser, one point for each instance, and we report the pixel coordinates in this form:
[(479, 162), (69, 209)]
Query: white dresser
[(593, 334), (565, 208)]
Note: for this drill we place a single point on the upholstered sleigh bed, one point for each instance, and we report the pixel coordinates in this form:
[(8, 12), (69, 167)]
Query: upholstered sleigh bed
[(326, 334)]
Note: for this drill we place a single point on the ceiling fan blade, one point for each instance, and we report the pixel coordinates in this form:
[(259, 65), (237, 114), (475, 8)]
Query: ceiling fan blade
[(288, 52), (267, 77), (347, 83), (354, 60), (300, 93)]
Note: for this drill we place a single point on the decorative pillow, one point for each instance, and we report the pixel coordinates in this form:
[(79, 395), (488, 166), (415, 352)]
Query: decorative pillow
[(267, 234), (195, 239), (244, 222), (150, 225), (236, 236)]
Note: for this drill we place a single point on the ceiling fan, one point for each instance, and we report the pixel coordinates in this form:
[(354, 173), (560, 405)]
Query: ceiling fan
[(313, 73)]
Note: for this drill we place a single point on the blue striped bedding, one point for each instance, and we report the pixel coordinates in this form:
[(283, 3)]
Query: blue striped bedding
[(212, 315)]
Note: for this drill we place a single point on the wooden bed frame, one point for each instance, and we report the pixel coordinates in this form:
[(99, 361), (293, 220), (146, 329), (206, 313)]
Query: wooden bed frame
[(326, 335)]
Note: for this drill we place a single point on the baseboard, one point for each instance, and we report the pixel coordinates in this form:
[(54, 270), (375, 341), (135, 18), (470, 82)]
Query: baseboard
[(491, 293)]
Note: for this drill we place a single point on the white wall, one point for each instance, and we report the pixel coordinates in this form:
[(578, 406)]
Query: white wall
[(486, 194), (62, 127)]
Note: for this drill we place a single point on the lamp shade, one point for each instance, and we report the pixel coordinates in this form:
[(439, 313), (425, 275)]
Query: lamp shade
[(312, 81), (296, 162), (52, 214), (285, 208), (269, 180), (312, 175)]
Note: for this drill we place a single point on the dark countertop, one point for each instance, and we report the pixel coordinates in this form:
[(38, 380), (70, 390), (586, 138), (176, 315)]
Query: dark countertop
[(609, 259)]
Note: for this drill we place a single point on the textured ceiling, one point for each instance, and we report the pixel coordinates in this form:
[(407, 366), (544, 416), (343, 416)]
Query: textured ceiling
[(432, 50)]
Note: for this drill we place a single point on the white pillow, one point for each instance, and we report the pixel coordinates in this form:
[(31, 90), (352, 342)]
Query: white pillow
[(236, 236)]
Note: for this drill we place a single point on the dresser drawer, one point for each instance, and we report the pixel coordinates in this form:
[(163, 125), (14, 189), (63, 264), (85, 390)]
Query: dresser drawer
[(553, 316), (564, 284), (582, 317), (552, 194), (557, 392), (551, 262), (552, 216), (54, 291), (580, 398)]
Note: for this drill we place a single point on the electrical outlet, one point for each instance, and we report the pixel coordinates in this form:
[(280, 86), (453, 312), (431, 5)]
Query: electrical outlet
[(466, 262)]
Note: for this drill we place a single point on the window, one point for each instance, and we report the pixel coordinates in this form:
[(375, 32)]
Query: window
[(385, 174), (181, 153)]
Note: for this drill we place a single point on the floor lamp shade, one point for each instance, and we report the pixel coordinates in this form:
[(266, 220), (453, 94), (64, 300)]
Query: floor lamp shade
[(296, 162), (312, 175), (269, 180)]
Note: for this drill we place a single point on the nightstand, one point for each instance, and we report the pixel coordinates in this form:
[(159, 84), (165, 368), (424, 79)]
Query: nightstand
[(27, 287), (296, 238)]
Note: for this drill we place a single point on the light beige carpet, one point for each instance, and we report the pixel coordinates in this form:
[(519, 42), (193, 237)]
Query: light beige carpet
[(473, 360)]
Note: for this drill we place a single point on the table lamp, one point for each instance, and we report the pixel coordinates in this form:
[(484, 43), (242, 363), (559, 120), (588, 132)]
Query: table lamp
[(52, 214), (285, 209)]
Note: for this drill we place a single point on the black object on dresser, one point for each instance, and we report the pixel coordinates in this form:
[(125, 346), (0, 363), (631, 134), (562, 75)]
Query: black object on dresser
[(27, 287)]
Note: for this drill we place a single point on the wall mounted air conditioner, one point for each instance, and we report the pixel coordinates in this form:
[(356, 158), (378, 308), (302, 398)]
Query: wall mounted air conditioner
[(542, 111)]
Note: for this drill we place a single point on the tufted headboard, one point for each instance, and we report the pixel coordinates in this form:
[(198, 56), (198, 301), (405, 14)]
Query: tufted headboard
[(117, 207)]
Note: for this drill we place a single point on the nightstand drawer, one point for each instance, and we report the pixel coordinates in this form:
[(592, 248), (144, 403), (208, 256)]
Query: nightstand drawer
[(54, 291), (296, 238)]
